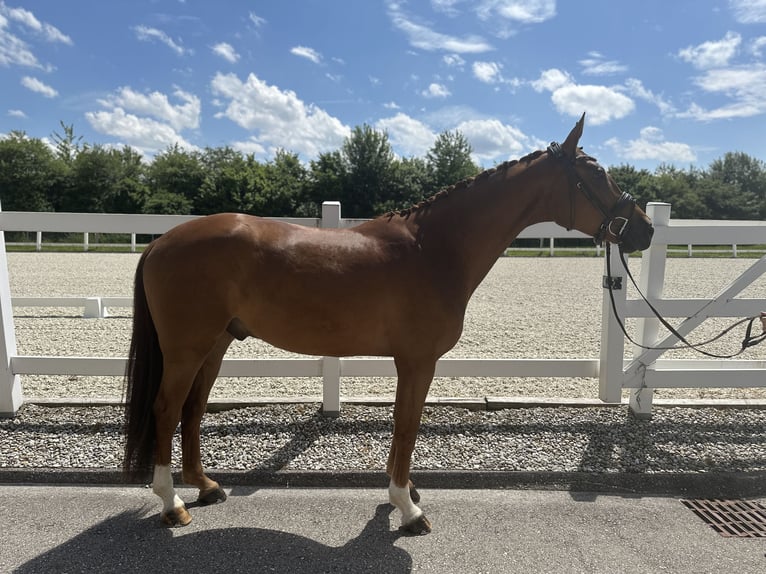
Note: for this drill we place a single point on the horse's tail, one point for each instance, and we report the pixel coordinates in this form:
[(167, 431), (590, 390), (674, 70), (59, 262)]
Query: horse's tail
[(142, 382)]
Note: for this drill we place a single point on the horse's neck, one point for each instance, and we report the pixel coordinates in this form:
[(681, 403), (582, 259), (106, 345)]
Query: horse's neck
[(473, 227)]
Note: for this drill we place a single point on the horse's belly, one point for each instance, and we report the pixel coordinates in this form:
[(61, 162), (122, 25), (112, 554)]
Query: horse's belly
[(330, 330)]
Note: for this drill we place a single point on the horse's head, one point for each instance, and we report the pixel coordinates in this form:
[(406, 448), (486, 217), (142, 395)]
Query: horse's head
[(593, 203)]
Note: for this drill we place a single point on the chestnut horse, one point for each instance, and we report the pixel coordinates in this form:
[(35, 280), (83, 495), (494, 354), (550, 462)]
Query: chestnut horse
[(394, 286)]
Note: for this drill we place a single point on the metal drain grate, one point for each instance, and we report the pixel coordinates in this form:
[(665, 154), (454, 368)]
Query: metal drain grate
[(731, 518)]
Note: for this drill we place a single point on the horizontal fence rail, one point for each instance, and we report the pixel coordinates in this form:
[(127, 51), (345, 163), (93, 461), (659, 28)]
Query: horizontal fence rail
[(646, 371), (640, 374)]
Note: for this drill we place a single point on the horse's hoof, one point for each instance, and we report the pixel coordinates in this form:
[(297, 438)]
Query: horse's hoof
[(421, 525), (212, 496), (176, 517), (414, 495)]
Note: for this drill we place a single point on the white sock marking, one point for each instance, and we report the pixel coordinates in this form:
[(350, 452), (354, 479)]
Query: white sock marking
[(400, 497), (162, 486)]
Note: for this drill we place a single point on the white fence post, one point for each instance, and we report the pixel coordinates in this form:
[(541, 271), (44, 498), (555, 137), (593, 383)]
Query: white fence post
[(331, 386), (612, 338), (330, 215), (10, 384), (85, 241), (651, 283), (330, 365), (39, 241)]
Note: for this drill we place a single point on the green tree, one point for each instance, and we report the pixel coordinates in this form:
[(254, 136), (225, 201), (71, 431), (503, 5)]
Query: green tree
[(679, 188), (369, 159), (286, 187), (176, 172), (105, 180), (30, 174), (327, 179), (67, 144), (228, 183), (449, 160), (410, 183), (744, 178)]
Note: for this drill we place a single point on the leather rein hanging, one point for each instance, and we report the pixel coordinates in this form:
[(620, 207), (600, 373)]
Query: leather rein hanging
[(611, 215), (748, 341)]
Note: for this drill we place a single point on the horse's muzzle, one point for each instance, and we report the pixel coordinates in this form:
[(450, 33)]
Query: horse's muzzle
[(638, 234)]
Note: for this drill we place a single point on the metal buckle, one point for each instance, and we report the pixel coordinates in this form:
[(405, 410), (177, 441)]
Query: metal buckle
[(622, 229)]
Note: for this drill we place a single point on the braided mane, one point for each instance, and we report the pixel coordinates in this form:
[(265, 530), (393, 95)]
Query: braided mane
[(464, 184)]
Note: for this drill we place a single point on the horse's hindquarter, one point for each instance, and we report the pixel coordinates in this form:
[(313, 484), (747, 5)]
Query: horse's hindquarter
[(321, 292)]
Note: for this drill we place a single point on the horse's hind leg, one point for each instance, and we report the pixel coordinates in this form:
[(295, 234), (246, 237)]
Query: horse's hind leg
[(411, 390), (177, 378), (193, 411)]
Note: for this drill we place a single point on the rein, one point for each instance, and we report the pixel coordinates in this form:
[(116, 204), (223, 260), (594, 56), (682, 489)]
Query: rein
[(749, 340)]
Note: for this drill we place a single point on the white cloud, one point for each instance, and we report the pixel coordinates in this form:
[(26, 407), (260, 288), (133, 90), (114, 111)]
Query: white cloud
[(256, 20), (637, 90), (15, 51), (422, 37), (488, 72), (523, 11), (596, 65), (712, 54), (147, 34), (408, 136), (446, 6), (651, 145), (435, 90), (226, 51), (492, 141), (35, 85), (551, 80), (277, 118), (17, 114), (745, 86), (601, 103), (749, 11), (308, 53), (453, 60), (145, 134), (391, 106), (757, 45), (147, 122), (185, 115), (28, 19)]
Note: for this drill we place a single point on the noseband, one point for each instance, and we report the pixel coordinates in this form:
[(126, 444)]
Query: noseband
[(613, 222)]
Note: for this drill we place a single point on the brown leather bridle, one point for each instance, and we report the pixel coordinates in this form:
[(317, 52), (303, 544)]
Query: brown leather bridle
[(613, 222)]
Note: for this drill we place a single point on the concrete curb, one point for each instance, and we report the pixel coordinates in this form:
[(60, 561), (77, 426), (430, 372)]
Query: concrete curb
[(690, 485)]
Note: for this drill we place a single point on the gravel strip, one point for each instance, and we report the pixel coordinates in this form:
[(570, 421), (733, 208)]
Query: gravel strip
[(548, 308), (300, 438)]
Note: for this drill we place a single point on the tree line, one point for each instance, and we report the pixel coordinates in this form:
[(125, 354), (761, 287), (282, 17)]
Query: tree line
[(364, 174)]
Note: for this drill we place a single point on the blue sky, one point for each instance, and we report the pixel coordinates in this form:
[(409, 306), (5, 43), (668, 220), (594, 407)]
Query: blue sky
[(661, 81)]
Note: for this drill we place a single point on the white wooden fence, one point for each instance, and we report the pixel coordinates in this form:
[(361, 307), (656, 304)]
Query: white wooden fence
[(641, 374), (646, 371)]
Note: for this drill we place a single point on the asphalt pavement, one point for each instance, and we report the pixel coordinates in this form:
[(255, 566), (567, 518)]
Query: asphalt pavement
[(106, 529)]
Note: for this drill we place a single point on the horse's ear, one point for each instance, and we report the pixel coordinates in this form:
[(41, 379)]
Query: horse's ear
[(570, 144)]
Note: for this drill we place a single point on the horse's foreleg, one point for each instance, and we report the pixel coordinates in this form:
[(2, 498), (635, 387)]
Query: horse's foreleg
[(414, 379), (193, 411), (167, 411)]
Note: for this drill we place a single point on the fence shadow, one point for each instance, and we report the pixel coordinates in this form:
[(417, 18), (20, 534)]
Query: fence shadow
[(130, 542)]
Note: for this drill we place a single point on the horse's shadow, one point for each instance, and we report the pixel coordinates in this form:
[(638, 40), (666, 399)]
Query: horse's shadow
[(129, 542)]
